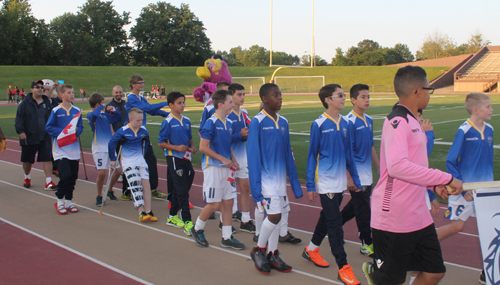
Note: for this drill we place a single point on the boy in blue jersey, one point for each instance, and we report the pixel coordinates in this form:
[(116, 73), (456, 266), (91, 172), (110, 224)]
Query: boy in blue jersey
[(177, 141), (241, 121), (270, 161), (136, 100), (135, 141), (218, 164), (361, 137), (330, 155), (101, 118), (66, 119)]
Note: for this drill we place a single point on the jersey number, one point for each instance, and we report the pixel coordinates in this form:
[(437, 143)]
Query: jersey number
[(99, 162)]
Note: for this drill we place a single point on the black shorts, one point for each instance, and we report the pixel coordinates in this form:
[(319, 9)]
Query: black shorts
[(44, 149), (397, 253)]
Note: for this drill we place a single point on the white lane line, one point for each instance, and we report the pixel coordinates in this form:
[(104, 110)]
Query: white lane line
[(77, 252)]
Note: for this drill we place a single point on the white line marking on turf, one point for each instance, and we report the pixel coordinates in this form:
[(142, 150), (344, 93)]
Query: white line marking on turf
[(77, 252), (160, 231)]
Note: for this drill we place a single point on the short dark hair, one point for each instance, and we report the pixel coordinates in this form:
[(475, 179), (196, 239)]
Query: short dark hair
[(134, 79), (173, 96), (407, 79), (63, 87), (354, 92), (327, 91), (95, 98), (222, 83), (266, 89), (236, 87), (220, 96)]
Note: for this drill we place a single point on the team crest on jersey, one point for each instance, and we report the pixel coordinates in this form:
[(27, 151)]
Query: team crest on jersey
[(233, 184), (330, 195), (179, 172), (490, 141), (371, 127), (283, 130), (447, 214), (492, 261), (395, 123), (344, 130)]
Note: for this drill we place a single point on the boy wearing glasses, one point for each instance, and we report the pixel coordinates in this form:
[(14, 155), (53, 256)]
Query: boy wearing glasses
[(330, 155)]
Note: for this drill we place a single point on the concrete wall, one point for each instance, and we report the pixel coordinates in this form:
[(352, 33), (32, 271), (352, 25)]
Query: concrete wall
[(472, 86)]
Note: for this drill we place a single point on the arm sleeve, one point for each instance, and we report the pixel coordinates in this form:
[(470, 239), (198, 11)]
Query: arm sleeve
[(454, 155), (432, 197), (164, 134), (290, 166), (236, 136), (349, 156), (152, 109), (51, 127), (112, 144), (190, 134), (92, 116), (207, 132), (116, 117), (203, 119), (430, 141), (312, 157), (398, 164), (19, 124), (254, 161)]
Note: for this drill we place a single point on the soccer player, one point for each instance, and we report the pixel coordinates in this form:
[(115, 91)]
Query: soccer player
[(218, 164), (330, 156), (404, 236), (268, 166), (361, 132), (66, 119), (101, 119), (177, 141), (135, 141), (240, 119)]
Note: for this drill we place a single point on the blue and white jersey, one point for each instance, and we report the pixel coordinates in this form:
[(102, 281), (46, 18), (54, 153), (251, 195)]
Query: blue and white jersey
[(208, 112), (361, 131), (135, 101), (238, 143), (58, 120), (175, 131), (219, 135), (270, 157), (101, 124), (330, 155), (134, 145), (470, 158), (430, 141)]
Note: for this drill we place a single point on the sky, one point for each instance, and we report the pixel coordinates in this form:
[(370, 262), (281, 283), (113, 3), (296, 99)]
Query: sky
[(232, 23)]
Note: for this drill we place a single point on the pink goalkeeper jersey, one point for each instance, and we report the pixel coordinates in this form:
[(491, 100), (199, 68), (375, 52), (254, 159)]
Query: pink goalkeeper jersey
[(398, 201)]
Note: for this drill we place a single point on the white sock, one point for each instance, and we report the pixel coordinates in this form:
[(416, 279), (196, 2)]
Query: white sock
[(265, 231), (27, 176), (67, 203), (412, 278), (273, 240), (227, 231), (284, 224), (235, 204), (200, 225), (220, 217), (259, 218), (311, 246), (60, 202), (48, 180), (245, 217)]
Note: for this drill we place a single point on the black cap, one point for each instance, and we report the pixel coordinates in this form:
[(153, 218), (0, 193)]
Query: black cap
[(36, 82)]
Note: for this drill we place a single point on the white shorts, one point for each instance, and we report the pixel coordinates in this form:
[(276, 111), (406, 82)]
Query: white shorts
[(101, 160), (462, 212), (215, 185), (241, 173), (274, 205)]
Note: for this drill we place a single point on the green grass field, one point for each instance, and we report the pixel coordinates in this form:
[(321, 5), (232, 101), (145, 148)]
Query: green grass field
[(445, 111)]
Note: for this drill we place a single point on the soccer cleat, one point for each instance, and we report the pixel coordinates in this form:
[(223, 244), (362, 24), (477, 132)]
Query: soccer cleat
[(111, 196), (61, 210), (259, 257), (275, 262), (220, 228), (157, 194), (315, 257), (289, 238), (175, 222), (144, 217), (187, 227), (212, 217), (347, 277), (237, 216), (482, 279), (366, 249), (255, 238), (152, 217), (50, 186), (368, 271), (55, 173), (98, 201), (232, 243), (27, 183), (199, 237), (247, 227), (126, 197)]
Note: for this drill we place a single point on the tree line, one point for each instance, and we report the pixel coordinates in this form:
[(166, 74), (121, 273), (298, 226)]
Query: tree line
[(166, 35)]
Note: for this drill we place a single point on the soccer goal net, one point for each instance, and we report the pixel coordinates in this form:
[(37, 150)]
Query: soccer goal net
[(251, 84), (300, 84)]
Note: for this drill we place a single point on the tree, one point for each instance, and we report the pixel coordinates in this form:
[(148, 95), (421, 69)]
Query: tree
[(437, 46), (340, 59), (283, 58), (475, 43), (169, 36), (403, 53), (318, 61)]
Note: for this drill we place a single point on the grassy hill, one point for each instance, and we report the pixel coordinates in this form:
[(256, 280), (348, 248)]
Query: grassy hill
[(103, 78)]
